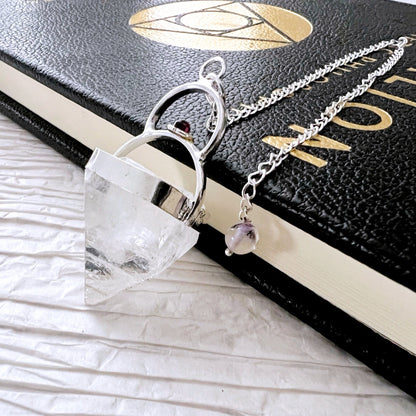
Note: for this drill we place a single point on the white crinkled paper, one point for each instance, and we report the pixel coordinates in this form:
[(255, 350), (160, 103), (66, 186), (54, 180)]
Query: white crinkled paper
[(195, 341)]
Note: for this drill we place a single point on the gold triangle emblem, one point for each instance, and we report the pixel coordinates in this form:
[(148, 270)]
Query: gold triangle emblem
[(221, 25)]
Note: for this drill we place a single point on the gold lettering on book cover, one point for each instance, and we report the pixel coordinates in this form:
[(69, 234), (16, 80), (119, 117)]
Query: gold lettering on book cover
[(403, 79), (393, 97), (318, 141), (324, 142), (221, 25), (385, 118)]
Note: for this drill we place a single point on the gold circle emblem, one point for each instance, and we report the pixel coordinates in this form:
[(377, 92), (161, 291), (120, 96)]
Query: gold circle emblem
[(221, 25)]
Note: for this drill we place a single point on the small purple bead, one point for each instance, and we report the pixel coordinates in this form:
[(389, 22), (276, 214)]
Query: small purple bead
[(183, 125), (242, 238)]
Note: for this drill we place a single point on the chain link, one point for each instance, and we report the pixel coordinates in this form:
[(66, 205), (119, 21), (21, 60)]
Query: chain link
[(275, 159)]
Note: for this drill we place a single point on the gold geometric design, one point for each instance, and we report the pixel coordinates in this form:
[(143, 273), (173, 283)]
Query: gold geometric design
[(221, 25)]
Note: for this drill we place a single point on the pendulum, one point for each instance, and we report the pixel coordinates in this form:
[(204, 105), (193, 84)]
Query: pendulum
[(137, 224)]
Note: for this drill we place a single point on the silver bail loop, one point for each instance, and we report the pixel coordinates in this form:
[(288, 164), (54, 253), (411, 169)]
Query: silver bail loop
[(204, 66), (215, 79), (211, 86)]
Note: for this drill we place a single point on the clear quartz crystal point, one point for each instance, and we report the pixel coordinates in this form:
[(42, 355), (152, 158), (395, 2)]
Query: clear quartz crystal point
[(128, 238)]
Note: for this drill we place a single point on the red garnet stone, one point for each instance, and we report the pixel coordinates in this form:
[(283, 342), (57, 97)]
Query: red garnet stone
[(183, 125)]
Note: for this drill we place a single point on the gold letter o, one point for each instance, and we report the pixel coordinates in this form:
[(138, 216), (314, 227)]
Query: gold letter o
[(386, 120)]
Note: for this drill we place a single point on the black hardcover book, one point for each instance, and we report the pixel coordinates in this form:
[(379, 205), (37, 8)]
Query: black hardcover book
[(337, 220)]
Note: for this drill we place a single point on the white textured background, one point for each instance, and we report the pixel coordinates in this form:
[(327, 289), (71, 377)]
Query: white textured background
[(195, 341)]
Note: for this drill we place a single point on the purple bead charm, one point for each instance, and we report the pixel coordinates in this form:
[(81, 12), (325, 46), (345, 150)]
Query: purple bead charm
[(241, 238)]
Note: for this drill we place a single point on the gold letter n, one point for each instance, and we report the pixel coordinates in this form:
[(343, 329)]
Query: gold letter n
[(316, 141)]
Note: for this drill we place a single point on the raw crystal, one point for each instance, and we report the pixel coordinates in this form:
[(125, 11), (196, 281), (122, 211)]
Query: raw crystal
[(127, 239)]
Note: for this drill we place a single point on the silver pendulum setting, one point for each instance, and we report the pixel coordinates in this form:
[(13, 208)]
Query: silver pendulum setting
[(136, 224)]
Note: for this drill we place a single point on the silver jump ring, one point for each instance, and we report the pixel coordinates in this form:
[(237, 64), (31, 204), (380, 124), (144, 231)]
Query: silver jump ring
[(211, 60)]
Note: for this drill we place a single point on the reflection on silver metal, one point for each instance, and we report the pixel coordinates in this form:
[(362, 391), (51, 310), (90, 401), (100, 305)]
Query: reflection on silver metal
[(135, 179), (136, 224), (212, 87)]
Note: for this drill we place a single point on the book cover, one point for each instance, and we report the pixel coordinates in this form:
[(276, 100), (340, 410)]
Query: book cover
[(337, 219)]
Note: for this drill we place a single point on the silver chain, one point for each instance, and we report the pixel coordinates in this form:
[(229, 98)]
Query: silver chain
[(254, 179)]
